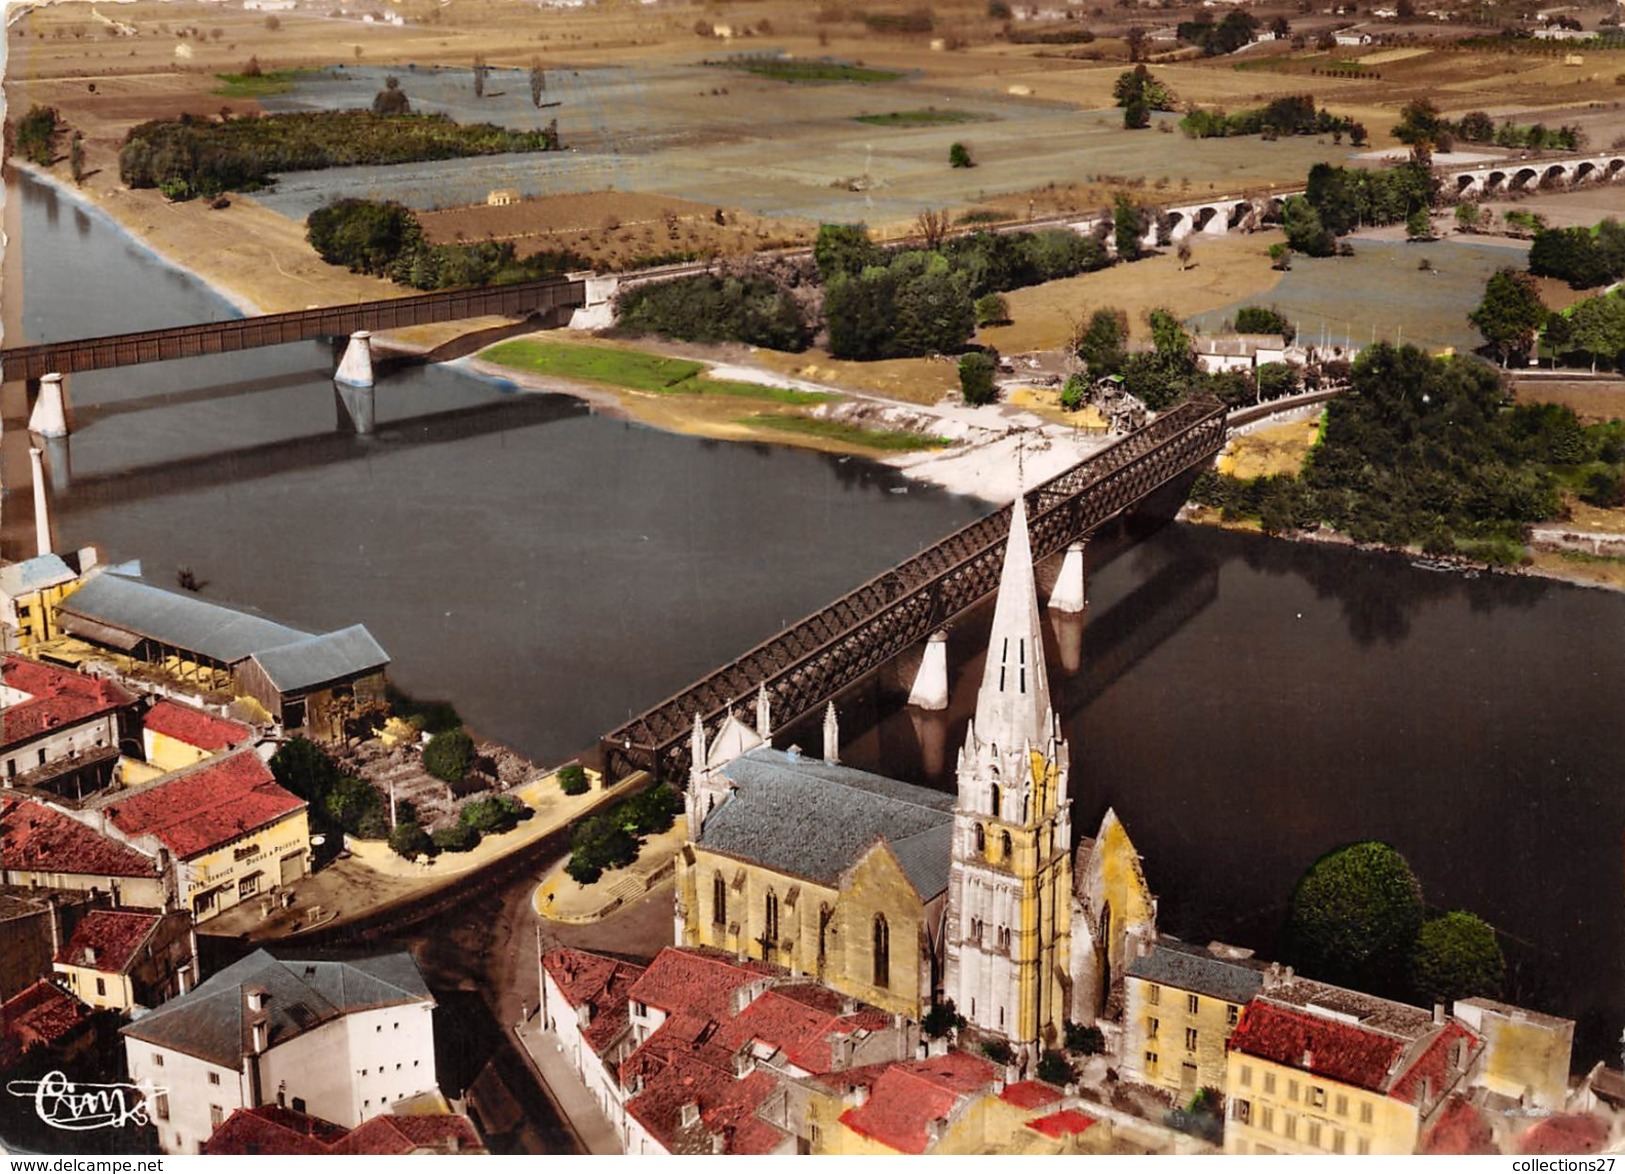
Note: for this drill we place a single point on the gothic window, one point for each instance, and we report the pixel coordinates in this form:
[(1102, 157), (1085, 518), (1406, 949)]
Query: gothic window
[(1004, 842), (823, 929), (1004, 661), (882, 951), (976, 930), (981, 838), (1021, 650), (719, 900), (996, 801), (770, 921)]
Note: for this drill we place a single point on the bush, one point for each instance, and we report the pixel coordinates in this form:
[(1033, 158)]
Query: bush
[(1053, 1068), (997, 1050), (1456, 957), (1075, 393), (1087, 1041), (976, 371), (411, 841), (457, 838), (356, 806), (34, 136), (992, 310), (573, 779), (449, 755), (304, 768), (959, 156), (709, 307), (941, 1019), (495, 814), (597, 844)]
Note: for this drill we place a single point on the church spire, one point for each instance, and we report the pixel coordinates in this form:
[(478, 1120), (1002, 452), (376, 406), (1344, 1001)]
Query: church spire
[(1013, 707)]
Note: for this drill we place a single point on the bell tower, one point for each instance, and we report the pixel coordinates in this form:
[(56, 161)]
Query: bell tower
[(1010, 876)]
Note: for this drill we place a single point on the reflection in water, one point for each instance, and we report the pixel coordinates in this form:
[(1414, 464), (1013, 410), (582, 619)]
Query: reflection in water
[(81, 221)]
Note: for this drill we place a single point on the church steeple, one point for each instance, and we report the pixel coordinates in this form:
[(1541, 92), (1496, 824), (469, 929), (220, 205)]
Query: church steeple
[(1013, 707)]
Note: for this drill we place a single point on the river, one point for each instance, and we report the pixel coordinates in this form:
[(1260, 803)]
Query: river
[(1244, 704)]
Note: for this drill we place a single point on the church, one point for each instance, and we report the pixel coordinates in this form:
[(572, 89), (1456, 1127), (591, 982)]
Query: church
[(902, 896)]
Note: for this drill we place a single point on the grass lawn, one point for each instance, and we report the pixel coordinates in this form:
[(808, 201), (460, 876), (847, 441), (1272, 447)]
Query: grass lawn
[(242, 85), (636, 370), (930, 116), (882, 439), (812, 71)]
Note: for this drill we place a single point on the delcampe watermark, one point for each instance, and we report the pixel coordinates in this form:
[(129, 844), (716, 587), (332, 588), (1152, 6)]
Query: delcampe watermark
[(80, 1106)]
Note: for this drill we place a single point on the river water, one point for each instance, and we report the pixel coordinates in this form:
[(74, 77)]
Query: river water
[(1244, 704)]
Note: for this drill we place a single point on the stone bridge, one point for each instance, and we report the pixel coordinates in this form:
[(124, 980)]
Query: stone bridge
[(1522, 175)]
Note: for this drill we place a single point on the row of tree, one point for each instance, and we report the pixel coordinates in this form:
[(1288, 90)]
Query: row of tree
[(1513, 320), (1421, 124), (1337, 200), (1295, 114), (191, 156), (1216, 38), (611, 839), (385, 239)]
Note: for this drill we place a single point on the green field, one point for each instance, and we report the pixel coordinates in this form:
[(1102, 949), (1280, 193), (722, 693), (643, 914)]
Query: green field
[(635, 370), (930, 116), (883, 439), (260, 85), (811, 71)]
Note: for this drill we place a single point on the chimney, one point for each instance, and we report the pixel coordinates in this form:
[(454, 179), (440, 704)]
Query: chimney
[(793, 753), (1438, 1013)]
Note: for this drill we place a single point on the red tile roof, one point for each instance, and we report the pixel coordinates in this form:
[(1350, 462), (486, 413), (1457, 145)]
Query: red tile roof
[(391, 1134), (57, 698), (40, 1016), (212, 805), (1459, 1129), (194, 727), (727, 1106), (698, 982), (1062, 1123), (37, 838), (1031, 1094), (107, 940), (1344, 1052), (906, 1097), (603, 982), (272, 1130), (1435, 1071), (804, 1033)]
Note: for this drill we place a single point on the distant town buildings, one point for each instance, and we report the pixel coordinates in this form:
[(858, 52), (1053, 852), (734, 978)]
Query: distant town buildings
[(121, 959), (60, 731), (341, 1041)]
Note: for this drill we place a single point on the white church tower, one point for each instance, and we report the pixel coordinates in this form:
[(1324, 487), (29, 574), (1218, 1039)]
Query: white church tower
[(1010, 878)]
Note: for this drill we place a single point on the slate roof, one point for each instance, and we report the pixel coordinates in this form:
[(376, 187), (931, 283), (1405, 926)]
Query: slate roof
[(1194, 968), (57, 698), (808, 818), (195, 727), (211, 1021), (316, 660), (33, 574), (212, 804), (177, 618), (37, 838), (107, 940)]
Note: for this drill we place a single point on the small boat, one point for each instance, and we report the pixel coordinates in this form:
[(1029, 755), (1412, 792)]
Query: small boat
[(899, 489)]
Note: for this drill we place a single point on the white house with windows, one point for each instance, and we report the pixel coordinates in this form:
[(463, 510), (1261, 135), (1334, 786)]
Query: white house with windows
[(343, 1041)]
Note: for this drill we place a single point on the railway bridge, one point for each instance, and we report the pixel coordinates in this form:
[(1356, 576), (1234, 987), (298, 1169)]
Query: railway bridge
[(813, 660)]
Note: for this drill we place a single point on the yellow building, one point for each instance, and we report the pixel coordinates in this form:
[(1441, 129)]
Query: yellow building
[(1180, 1004), (174, 736), (120, 960), (1526, 1054), (1008, 933), (811, 865), (231, 831), (1315, 1069), (29, 594)]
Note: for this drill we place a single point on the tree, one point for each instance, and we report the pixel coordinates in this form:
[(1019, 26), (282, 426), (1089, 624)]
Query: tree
[(1467, 216), (273, 23), (1103, 343), (1053, 1068), (1183, 252), (1136, 115), (1281, 27), (1597, 327), (304, 768), (411, 841), (456, 838), (391, 99), (976, 371), (1304, 231), (538, 82), (1510, 314), (992, 310), (844, 249), (573, 779), (1456, 957), (959, 156), (1263, 320), (1141, 85), (1135, 39), (1421, 126), (941, 1019), (496, 813), (35, 135), (1476, 127), (1128, 227), (1168, 335), (449, 755), (1419, 225), (76, 157), (481, 71), (1354, 919), (932, 225)]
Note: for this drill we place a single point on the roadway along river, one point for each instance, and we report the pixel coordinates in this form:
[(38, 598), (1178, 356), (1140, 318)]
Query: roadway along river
[(1244, 704)]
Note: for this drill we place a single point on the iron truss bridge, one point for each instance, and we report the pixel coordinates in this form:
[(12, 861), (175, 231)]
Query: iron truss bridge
[(812, 661), (520, 300)]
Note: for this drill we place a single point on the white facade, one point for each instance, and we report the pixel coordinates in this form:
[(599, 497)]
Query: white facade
[(187, 1098)]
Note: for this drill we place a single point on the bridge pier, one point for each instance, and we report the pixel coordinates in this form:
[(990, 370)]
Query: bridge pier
[(355, 369), (59, 464), (1069, 638), (930, 689), (42, 508), (50, 415), (1071, 593)]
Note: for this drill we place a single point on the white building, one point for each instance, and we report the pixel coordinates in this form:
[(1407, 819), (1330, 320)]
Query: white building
[(1239, 352), (343, 1041)]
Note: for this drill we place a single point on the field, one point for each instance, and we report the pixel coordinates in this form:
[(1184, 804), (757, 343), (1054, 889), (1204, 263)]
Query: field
[(633, 370), (790, 70), (930, 116)]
